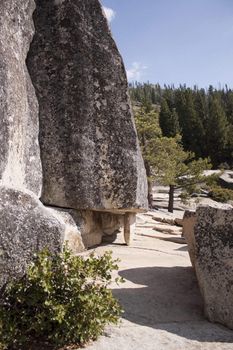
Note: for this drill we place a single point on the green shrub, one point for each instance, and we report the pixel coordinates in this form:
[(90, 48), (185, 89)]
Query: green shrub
[(61, 300), (220, 194)]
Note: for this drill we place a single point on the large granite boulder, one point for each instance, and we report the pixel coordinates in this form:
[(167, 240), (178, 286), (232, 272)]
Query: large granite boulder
[(20, 165), (214, 261), (89, 148), (26, 226), (93, 172)]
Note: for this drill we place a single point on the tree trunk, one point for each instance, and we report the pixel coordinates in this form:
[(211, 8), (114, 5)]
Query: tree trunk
[(150, 194), (171, 198)]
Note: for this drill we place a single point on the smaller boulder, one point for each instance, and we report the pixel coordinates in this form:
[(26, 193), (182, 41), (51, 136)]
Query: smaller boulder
[(214, 261), (26, 227), (188, 222), (94, 225)]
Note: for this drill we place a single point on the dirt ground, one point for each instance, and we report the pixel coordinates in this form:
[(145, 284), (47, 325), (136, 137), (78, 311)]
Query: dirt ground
[(162, 303)]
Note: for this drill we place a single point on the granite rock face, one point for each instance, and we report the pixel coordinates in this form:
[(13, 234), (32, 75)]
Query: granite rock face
[(89, 148), (214, 261), (93, 172), (20, 164), (26, 227)]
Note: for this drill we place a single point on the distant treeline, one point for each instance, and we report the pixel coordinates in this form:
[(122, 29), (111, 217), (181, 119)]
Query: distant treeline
[(203, 117)]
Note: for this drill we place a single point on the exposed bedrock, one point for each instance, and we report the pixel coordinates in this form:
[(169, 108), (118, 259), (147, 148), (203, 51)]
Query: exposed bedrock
[(89, 148), (20, 165), (214, 261)]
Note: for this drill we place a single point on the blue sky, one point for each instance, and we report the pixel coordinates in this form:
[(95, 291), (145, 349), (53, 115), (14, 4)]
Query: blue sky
[(175, 41)]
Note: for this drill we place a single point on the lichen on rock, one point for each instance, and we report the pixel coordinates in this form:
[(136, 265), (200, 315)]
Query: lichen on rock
[(89, 147)]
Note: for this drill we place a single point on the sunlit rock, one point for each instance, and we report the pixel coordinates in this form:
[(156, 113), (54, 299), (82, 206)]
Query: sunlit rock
[(20, 164)]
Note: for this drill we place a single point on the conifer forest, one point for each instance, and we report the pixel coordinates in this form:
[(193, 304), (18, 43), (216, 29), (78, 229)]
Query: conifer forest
[(203, 117)]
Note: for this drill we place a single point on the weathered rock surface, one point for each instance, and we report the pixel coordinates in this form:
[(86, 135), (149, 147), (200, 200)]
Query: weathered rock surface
[(129, 227), (93, 172), (72, 231), (90, 225), (189, 221), (214, 261), (111, 223), (89, 148), (27, 227), (20, 165)]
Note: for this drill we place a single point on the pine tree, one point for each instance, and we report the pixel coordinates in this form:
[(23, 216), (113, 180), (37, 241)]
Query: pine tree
[(190, 113), (174, 124), (217, 131), (175, 168), (201, 108), (168, 120), (164, 157), (147, 124), (191, 125)]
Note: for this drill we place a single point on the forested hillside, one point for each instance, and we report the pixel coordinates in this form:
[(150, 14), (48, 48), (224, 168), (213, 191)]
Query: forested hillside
[(204, 118)]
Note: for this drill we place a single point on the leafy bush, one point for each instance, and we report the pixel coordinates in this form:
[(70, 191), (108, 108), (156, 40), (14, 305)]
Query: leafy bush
[(220, 194), (61, 300)]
